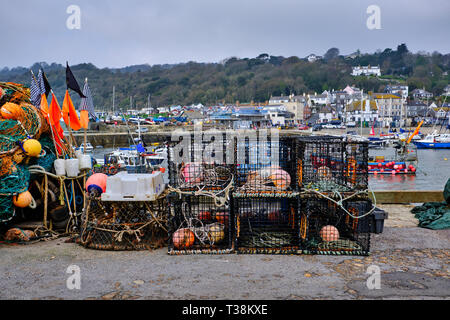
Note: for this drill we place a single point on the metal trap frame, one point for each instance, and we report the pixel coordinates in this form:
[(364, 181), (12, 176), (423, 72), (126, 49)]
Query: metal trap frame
[(200, 225), (266, 225), (266, 166), (201, 161), (327, 164), (327, 229)]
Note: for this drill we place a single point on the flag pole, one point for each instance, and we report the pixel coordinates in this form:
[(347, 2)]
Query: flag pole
[(49, 122), (85, 129), (84, 152)]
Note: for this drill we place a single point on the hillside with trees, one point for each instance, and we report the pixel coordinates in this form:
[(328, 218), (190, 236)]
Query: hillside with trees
[(245, 79)]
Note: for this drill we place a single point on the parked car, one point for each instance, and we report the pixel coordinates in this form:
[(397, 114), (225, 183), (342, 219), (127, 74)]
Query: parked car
[(317, 127), (303, 127), (142, 130)]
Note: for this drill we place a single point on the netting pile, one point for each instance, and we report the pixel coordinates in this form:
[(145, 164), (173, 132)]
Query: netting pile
[(123, 226), (30, 123), (435, 215)]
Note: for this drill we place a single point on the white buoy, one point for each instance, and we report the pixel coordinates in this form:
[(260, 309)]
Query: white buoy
[(60, 167), (85, 162), (72, 168)]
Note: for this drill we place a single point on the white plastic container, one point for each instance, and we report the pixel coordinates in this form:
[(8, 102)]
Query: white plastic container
[(72, 168), (85, 162), (78, 153), (134, 187), (60, 167)]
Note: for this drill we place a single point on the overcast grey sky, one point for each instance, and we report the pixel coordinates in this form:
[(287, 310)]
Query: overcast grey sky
[(121, 33)]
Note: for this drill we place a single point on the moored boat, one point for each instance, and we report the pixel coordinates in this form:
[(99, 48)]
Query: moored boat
[(434, 141)]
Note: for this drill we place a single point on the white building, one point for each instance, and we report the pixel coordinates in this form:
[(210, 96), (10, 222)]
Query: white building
[(366, 71), (320, 99), (402, 91), (278, 100), (312, 57)]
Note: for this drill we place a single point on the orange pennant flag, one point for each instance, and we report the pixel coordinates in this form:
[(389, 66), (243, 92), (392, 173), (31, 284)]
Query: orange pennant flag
[(55, 111), (69, 113), (84, 119), (44, 106)]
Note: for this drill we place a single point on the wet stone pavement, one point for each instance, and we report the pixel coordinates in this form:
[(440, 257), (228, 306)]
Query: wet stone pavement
[(413, 264)]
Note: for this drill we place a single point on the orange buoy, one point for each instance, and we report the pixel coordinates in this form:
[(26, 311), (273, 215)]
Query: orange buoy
[(96, 183), (223, 217), (281, 179), (193, 173), (329, 233), (183, 239), (11, 111), (23, 200)]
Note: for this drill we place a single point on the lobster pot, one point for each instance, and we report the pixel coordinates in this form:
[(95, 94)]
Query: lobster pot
[(124, 225), (331, 164), (199, 225), (265, 165), (325, 228), (201, 161), (266, 225)]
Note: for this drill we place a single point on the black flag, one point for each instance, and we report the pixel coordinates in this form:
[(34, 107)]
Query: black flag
[(72, 82), (47, 87)]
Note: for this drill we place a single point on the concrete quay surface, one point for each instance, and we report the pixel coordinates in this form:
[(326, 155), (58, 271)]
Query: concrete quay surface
[(413, 264)]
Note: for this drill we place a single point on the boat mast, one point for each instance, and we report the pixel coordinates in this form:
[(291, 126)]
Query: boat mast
[(361, 110), (114, 98)]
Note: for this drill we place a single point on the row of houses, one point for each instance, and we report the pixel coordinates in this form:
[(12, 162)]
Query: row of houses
[(349, 105)]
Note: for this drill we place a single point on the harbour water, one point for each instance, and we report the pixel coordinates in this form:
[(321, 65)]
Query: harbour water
[(432, 173)]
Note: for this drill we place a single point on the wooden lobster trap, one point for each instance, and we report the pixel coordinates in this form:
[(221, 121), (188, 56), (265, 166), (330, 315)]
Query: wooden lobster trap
[(120, 225), (329, 229)]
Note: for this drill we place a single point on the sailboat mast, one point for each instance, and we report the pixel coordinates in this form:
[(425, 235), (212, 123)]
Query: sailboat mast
[(362, 110), (114, 98)]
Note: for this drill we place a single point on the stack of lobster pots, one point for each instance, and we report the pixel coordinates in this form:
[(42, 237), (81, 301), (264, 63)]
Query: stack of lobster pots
[(268, 194), (265, 198), (334, 203), (200, 210)]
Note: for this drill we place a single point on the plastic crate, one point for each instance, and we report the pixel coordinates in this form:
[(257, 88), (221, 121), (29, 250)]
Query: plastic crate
[(325, 228), (378, 216), (125, 186), (199, 225), (266, 225)]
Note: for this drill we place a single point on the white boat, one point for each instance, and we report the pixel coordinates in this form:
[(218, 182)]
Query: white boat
[(89, 147), (434, 141)]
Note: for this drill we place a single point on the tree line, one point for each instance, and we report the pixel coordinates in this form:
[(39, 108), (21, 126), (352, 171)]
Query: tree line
[(244, 79)]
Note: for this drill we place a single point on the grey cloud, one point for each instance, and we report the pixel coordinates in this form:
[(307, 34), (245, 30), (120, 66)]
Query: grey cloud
[(121, 33)]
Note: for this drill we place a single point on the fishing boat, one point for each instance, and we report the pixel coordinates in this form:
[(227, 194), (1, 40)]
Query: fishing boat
[(434, 141), (405, 160), (89, 148)]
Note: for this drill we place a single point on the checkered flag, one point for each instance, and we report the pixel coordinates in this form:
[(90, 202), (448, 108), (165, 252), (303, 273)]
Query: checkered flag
[(87, 103), (36, 89)]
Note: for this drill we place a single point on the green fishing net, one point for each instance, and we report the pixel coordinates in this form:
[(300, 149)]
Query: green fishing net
[(435, 215)]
